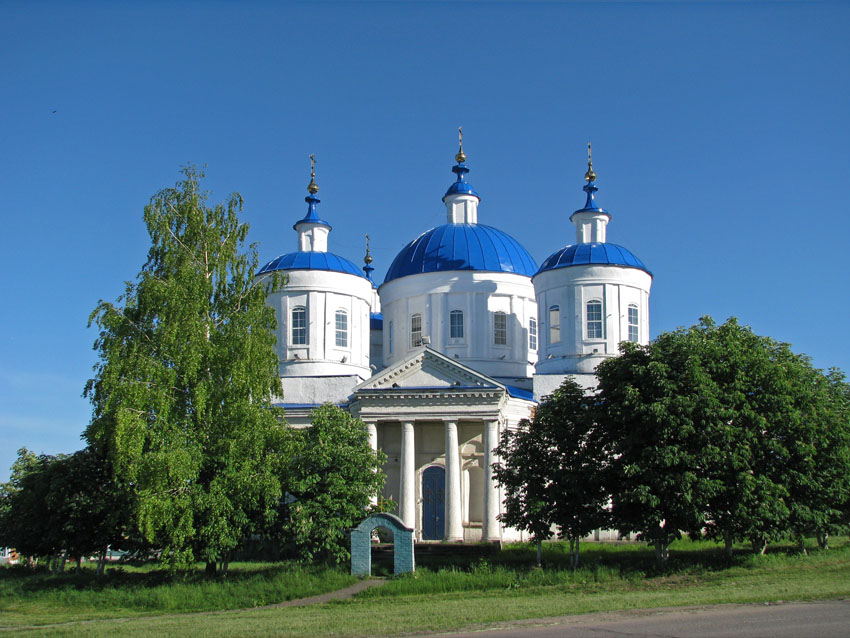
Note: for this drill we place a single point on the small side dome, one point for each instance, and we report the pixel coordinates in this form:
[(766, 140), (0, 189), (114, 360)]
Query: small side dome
[(462, 247), (592, 253), (312, 260)]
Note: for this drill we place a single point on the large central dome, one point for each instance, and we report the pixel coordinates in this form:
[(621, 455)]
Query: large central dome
[(462, 247)]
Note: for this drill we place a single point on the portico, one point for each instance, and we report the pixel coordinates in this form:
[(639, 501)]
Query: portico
[(438, 422)]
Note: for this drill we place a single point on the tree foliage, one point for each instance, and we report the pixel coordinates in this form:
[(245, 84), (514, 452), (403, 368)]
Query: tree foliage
[(187, 369), (710, 430), (331, 477), (552, 470), (66, 504), (716, 430)]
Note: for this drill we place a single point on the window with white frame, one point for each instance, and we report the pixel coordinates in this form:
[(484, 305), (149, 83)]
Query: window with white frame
[(298, 327), (554, 325), (341, 329), (500, 329), (415, 331), (392, 333), (532, 334), (594, 319), (456, 324), (634, 323)]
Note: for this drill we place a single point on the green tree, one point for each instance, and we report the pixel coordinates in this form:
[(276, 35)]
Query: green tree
[(717, 430), (552, 470), (186, 374), (646, 405), (25, 522), (330, 479)]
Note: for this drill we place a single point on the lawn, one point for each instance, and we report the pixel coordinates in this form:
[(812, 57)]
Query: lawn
[(439, 596)]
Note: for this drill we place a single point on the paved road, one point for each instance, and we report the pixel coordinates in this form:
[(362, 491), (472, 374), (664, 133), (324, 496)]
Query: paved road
[(792, 620)]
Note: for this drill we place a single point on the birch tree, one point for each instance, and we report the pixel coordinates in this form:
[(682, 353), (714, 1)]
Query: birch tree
[(183, 386)]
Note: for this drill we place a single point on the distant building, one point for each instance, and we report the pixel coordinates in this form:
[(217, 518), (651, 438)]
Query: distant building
[(463, 337)]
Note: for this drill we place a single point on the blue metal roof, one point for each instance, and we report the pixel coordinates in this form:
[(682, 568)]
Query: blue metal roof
[(462, 247), (592, 253), (519, 393), (312, 216), (311, 260), (461, 186)]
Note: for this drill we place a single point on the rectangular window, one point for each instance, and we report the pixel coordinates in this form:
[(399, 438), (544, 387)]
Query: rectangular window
[(456, 324), (341, 329), (554, 325), (415, 331), (299, 326), (594, 320), (500, 329), (634, 324), (532, 334), (391, 337)]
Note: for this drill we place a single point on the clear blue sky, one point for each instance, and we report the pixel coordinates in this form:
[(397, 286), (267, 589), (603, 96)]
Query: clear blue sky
[(720, 135)]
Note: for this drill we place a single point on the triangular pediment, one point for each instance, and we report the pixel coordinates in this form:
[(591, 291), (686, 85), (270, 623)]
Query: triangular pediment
[(427, 369)]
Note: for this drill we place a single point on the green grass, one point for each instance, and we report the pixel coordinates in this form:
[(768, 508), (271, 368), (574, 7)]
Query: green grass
[(441, 596), (28, 598)]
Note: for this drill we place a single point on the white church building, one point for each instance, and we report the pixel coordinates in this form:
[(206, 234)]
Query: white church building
[(461, 340)]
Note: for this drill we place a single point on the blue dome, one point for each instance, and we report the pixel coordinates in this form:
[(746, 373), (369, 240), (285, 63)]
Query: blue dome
[(462, 247), (310, 260), (582, 254)]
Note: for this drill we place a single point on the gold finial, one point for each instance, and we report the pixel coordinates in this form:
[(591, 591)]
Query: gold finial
[(313, 187), (461, 156), (590, 175), (368, 258)]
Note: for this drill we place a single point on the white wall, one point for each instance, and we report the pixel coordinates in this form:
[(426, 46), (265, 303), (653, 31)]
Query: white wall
[(323, 293), (479, 295), (571, 288)]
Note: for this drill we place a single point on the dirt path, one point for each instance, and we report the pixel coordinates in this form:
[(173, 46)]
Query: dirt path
[(339, 594)]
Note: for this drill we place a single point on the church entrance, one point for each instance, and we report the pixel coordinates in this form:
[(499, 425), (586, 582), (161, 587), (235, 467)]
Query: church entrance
[(433, 503)]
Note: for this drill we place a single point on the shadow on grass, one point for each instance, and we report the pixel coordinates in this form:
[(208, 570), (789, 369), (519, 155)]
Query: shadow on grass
[(140, 575)]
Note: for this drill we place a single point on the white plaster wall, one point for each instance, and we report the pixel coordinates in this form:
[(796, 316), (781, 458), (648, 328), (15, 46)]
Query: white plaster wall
[(478, 295), (323, 293), (570, 289), (318, 390)]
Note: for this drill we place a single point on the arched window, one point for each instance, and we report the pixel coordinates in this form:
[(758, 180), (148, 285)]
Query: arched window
[(532, 334), (594, 320), (634, 323), (554, 325), (415, 331), (500, 329), (391, 335), (341, 329), (299, 326), (456, 324)]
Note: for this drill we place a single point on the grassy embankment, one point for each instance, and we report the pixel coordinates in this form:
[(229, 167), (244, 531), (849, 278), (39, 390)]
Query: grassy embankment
[(500, 589)]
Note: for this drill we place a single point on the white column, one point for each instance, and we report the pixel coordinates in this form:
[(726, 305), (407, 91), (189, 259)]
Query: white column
[(372, 433), (407, 491), (454, 524), (490, 528)]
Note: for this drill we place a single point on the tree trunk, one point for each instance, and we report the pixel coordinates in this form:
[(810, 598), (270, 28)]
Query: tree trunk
[(62, 564), (759, 546), (210, 569), (101, 561), (662, 552), (79, 562), (578, 543), (823, 540), (727, 540), (801, 544), (539, 553)]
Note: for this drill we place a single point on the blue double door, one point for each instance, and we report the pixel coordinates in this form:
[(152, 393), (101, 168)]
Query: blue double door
[(433, 503)]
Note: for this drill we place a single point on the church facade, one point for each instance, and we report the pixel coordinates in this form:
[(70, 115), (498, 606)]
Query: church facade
[(463, 337)]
